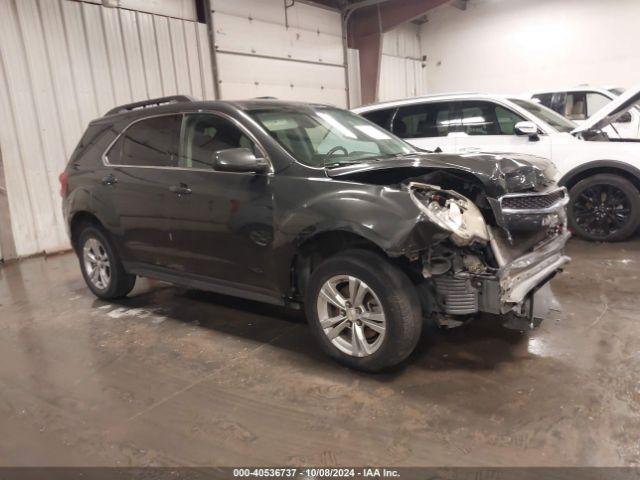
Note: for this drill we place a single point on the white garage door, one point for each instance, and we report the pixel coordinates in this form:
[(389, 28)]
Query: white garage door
[(63, 63), (264, 49)]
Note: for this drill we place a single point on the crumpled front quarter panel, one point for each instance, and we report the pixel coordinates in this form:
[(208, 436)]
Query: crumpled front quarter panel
[(305, 207)]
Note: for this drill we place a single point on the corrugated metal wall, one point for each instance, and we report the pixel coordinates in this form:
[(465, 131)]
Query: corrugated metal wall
[(353, 67), (402, 72), (63, 63), (293, 54)]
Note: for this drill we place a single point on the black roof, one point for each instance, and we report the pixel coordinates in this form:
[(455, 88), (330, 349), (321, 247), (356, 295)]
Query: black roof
[(185, 103)]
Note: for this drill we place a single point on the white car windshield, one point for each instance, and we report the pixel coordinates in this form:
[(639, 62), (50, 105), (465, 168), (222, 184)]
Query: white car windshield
[(553, 119), (328, 137)]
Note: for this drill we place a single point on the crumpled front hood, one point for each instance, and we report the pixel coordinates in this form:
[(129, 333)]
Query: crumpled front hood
[(499, 174)]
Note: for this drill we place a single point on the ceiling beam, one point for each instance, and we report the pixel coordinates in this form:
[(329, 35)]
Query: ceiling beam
[(365, 27)]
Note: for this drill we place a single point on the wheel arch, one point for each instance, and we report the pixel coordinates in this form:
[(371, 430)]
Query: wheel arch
[(589, 169), (313, 250), (80, 218)]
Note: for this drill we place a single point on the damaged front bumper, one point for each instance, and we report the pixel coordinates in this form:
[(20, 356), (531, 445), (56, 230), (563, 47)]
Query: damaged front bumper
[(515, 288), (510, 287)]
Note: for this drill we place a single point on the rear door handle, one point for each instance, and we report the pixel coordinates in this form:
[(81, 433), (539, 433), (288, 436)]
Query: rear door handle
[(109, 179), (181, 189)]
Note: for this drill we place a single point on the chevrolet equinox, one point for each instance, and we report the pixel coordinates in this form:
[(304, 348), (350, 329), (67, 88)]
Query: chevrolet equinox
[(312, 206)]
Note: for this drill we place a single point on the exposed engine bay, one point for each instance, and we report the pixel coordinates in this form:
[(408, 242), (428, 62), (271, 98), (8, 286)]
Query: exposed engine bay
[(504, 225), (497, 260)]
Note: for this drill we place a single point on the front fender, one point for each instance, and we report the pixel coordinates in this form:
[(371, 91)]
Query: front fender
[(383, 215)]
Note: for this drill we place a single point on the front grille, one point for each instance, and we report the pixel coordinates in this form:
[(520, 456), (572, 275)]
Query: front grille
[(533, 201)]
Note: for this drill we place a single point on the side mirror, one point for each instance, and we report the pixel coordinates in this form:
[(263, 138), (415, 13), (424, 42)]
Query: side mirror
[(526, 128), (239, 160)]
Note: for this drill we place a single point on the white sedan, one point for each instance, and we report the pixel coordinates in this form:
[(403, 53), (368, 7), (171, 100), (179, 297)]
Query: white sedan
[(602, 173)]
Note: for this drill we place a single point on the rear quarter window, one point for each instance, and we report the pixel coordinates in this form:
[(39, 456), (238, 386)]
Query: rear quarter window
[(94, 142), (151, 142)]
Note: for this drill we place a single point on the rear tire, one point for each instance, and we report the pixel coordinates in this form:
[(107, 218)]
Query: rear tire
[(101, 266), (604, 208), (381, 321)]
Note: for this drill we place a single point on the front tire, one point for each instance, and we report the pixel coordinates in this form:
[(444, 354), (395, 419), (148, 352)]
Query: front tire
[(363, 310), (101, 266), (604, 208)]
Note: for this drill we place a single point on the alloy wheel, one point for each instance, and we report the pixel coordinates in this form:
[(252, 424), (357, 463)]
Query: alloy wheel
[(351, 315), (96, 263), (602, 210)]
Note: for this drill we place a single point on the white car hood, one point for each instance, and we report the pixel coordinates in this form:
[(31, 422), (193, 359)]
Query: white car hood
[(611, 111)]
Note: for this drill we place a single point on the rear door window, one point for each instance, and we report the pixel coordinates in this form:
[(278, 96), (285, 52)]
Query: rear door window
[(425, 120), (152, 142), (382, 118), (487, 118), (595, 101)]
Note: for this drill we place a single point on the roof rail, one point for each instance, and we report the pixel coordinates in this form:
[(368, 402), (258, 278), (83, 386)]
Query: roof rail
[(153, 102)]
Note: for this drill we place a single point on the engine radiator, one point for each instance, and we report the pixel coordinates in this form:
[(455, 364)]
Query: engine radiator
[(456, 294)]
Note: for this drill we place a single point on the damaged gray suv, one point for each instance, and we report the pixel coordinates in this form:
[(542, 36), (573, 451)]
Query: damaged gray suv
[(315, 207)]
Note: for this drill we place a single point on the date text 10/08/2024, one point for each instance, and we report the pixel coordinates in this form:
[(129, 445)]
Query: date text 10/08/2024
[(316, 472)]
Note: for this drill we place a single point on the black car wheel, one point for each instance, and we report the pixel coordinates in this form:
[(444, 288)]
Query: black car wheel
[(101, 267), (363, 310), (604, 208)]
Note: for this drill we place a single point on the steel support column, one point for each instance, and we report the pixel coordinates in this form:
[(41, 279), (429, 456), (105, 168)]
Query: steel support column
[(365, 26)]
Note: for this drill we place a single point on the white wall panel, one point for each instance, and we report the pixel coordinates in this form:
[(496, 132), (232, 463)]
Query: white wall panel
[(71, 122), (246, 77), (163, 44), (353, 67), (403, 41), (184, 9), (150, 57), (513, 46), (179, 51), (204, 56), (263, 53), (301, 15), (240, 34), (118, 67), (77, 52), (63, 63), (133, 52), (15, 168), (193, 60), (402, 73)]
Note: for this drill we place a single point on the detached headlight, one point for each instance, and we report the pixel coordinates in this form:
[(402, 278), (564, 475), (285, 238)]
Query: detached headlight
[(451, 212)]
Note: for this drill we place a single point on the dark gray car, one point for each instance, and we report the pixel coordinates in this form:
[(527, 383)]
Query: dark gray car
[(309, 205)]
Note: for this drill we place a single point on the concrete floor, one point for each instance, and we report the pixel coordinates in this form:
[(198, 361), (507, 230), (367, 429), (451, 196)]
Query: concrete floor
[(175, 377)]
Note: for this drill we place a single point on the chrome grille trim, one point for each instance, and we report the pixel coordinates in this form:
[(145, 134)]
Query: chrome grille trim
[(529, 199)]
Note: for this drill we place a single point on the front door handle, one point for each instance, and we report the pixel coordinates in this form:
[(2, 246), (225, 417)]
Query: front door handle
[(109, 179), (181, 189)]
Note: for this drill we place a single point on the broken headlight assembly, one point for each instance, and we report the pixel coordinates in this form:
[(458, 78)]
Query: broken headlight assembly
[(451, 211)]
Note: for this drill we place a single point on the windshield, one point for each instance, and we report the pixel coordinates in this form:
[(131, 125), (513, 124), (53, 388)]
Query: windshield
[(329, 137), (547, 115)]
